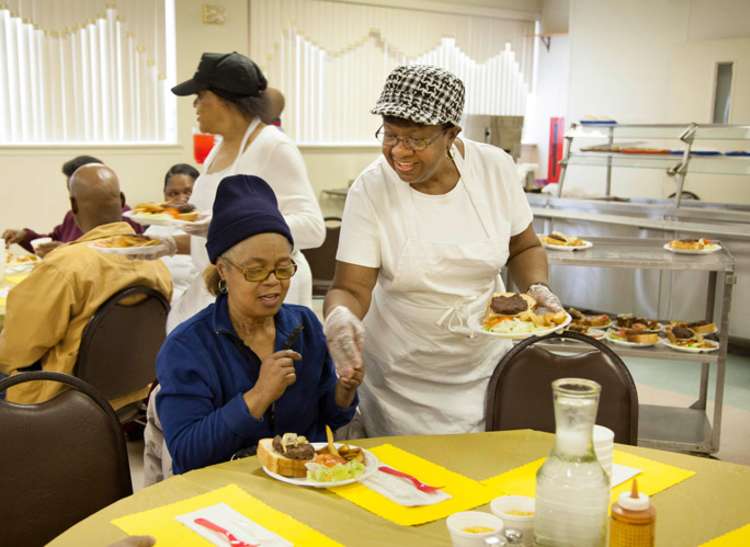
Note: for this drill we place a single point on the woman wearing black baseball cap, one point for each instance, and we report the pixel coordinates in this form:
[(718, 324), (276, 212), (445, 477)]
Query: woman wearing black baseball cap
[(230, 101)]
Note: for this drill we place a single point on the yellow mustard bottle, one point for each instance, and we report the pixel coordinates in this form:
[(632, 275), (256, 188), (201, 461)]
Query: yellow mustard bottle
[(633, 520)]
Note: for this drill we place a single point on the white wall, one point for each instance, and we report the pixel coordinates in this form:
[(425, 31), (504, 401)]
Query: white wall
[(645, 61)]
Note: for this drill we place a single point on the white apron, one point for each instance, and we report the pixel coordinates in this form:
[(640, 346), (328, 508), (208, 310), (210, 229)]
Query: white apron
[(425, 373), (197, 297)]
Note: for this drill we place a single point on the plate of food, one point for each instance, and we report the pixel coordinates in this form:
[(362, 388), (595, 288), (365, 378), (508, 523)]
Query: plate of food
[(632, 338), (635, 323), (597, 334), (599, 321), (692, 246), (292, 459), (515, 316), (128, 245), (165, 214), (557, 241), (684, 339), (699, 327)]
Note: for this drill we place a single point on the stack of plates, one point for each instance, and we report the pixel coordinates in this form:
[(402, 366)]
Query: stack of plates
[(604, 444)]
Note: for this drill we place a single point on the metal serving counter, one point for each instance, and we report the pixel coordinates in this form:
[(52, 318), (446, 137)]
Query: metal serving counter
[(675, 292), (673, 428)]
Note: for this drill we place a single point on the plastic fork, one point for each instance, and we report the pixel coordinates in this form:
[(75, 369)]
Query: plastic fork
[(231, 538), (419, 485)]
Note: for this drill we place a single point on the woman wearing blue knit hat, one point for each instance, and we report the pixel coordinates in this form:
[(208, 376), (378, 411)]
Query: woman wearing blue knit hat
[(248, 366)]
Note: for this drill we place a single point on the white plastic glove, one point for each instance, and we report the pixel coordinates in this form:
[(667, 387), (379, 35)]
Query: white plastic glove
[(544, 297), (345, 336), (198, 228), (168, 247)]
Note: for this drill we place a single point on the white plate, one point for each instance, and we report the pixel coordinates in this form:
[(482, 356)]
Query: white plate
[(162, 219), (475, 325), (586, 245), (714, 331), (625, 343), (596, 334), (713, 248), (693, 350), (371, 465), (151, 250)]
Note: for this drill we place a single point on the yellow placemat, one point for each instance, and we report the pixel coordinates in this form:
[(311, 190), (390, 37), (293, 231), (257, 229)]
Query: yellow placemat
[(736, 538), (653, 478), (15, 279), (161, 522), (466, 493)]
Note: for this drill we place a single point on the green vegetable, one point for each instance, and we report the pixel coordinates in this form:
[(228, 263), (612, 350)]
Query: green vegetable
[(339, 472)]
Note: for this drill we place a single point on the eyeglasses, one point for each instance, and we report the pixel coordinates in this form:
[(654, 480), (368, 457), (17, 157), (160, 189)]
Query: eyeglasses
[(416, 144), (258, 275)]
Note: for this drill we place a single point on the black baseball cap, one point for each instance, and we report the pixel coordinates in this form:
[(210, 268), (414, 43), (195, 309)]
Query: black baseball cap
[(229, 75)]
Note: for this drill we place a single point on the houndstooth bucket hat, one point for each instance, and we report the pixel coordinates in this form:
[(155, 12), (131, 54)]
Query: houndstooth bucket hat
[(423, 94)]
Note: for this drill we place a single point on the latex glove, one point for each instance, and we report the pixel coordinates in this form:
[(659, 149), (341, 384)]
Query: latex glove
[(544, 297), (167, 248), (13, 236), (345, 336), (197, 228)]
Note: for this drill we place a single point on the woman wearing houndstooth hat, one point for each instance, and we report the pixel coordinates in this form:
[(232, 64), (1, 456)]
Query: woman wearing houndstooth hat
[(426, 229)]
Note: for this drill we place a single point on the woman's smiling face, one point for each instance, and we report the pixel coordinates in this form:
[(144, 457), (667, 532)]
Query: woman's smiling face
[(416, 166)]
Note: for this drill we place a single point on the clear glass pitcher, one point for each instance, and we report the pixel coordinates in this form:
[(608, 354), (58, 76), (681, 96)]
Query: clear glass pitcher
[(572, 488)]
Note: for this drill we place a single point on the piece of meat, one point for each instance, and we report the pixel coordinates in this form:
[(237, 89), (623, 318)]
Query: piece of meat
[(509, 305), (682, 333), (300, 452)]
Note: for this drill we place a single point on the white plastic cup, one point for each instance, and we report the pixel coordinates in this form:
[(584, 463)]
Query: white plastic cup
[(504, 506), (458, 523)]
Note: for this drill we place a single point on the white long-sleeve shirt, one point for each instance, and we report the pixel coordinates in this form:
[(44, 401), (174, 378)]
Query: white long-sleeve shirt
[(273, 157)]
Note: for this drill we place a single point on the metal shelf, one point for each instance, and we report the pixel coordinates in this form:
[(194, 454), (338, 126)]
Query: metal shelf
[(714, 165), (615, 252), (674, 428), (709, 132), (655, 352)]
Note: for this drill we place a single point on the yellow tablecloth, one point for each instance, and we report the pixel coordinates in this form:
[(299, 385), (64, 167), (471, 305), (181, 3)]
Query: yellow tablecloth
[(711, 503)]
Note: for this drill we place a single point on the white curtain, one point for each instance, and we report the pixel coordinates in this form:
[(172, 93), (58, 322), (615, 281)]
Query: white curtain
[(83, 71), (330, 59)]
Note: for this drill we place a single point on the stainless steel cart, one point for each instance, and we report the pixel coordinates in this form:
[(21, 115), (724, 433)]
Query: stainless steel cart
[(673, 428)]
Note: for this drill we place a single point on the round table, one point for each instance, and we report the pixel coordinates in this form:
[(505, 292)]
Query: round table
[(712, 502)]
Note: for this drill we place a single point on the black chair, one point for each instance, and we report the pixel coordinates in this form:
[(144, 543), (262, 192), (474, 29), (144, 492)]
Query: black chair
[(119, 345), (519, 394), (62, 460), (323, 259)]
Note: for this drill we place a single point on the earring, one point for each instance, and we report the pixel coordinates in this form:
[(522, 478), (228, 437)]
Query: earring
[(222, 286)]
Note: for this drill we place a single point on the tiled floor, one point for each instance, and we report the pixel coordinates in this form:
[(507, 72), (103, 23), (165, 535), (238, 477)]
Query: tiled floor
[(668, 383)]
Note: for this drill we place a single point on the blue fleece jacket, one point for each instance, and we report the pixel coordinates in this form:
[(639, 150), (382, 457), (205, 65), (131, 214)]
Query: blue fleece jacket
[(204, 368)]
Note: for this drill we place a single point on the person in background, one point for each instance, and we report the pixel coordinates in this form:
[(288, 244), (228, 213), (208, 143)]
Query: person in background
[(248, 366), (47, 312), (68, 230), (275, 106), (426, 229), (178, 186), (231, 101)]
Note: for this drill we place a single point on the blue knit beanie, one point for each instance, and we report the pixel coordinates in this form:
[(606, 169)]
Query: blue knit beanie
[(244, 206)]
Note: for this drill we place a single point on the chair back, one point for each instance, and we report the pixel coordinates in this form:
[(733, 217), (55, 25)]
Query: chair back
[(118, 348), (519, 394), (323, 259), (62, 460)]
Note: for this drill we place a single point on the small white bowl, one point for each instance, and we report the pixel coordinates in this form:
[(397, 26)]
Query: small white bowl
[(503, 506), (458, 522)]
